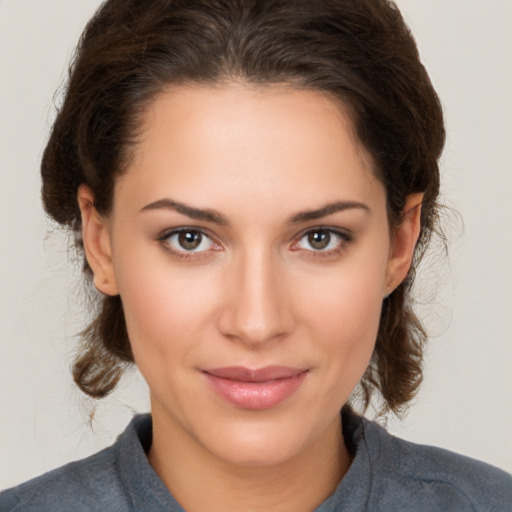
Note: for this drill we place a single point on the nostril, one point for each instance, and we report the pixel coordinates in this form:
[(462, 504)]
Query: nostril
[(254, 333)]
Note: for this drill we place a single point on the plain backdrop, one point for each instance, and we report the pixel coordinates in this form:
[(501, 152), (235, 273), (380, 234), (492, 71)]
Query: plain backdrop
[(464, 404)]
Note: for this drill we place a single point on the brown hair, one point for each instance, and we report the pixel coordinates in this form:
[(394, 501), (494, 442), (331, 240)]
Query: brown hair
[(359, 51)]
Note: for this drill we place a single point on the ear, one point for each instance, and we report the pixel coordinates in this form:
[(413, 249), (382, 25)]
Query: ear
[(404, 241), (96, 238)]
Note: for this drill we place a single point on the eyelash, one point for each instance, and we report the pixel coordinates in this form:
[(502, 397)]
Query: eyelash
[(343, 239), (184, 254)]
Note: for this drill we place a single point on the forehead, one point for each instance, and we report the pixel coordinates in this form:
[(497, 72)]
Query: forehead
[(267, 143)]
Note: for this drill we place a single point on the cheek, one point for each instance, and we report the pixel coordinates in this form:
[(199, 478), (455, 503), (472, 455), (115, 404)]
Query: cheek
[(342, 312), (350, 342), (165, 307), (348, 295), (351, 316)]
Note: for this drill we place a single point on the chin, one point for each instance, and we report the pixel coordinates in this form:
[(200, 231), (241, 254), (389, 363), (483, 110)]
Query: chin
[(258, 452), (267, 442)]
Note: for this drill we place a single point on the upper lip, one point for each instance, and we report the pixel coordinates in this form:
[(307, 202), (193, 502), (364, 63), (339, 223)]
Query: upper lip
[(240, 373)]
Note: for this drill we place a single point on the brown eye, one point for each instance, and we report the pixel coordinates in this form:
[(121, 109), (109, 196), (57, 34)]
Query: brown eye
[(319, 240), (190, 240), (323, 241)]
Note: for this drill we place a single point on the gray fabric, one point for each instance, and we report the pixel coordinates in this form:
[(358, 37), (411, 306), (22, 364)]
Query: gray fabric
[(387, 474)]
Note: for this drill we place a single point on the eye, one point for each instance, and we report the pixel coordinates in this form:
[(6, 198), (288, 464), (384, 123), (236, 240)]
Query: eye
[(322, 240), (188, 240)]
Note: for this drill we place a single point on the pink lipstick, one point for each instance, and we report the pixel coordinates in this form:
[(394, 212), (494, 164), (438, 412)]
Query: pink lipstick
[(258, 389)]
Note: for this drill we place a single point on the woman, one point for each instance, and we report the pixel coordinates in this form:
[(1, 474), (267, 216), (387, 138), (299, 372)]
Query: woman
[(253, 184)]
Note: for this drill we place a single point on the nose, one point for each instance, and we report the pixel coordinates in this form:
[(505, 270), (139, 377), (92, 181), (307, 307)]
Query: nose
[(257, 309)]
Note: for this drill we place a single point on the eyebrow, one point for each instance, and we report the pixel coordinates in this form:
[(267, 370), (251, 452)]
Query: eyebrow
[(328, 209), (217, 218), (194, 213)]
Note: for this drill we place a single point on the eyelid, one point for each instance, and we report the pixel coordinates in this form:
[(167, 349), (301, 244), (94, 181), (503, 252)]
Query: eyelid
[(342, 232), (184, 254), (345, 235)]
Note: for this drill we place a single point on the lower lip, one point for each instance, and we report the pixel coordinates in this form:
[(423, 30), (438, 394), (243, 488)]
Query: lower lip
[(256, 395)]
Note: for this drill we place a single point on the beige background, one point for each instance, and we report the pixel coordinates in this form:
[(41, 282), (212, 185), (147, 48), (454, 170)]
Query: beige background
[(465, 402)]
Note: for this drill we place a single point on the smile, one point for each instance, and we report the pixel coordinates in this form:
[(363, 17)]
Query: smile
[(259, 389)]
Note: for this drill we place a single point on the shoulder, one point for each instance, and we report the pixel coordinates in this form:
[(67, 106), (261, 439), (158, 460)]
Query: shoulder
[(117, 479), (434, 476), (90, 484)]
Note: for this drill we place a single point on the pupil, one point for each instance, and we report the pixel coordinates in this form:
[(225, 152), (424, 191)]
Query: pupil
[(319, 239), (190, 239)]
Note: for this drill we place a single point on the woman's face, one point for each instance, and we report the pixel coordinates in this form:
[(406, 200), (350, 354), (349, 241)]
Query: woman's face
[(250, 245)]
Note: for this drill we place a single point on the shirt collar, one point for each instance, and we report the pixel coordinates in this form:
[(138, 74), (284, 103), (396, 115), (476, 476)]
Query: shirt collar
[(148, 493)]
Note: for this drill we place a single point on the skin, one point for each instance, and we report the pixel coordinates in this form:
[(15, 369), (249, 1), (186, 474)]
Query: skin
[(256, 292)]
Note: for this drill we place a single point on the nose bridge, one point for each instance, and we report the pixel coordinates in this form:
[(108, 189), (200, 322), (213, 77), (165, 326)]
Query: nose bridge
[(258, 310)]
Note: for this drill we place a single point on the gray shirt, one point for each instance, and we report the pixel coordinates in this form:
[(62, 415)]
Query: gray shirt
[(387, 474)]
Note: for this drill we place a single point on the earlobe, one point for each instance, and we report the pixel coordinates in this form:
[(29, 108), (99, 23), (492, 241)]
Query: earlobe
[(404, 241), (96, 239)]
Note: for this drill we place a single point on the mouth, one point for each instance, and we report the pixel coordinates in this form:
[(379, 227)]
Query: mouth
[(256, 389)]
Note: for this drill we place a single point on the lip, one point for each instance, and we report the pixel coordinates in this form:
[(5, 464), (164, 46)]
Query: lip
[(256, 389)]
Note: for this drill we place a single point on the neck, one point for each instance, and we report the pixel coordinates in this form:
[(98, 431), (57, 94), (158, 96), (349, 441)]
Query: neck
[(197, 479)]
